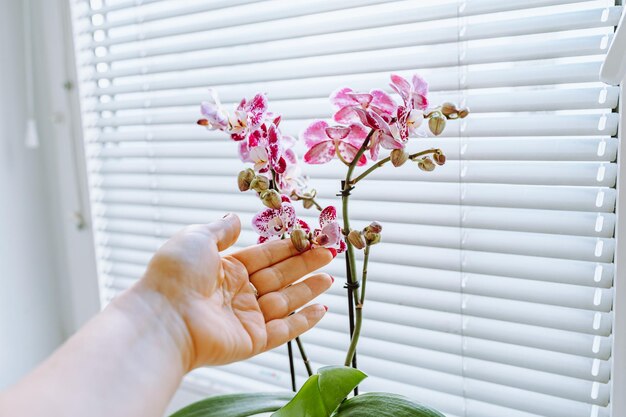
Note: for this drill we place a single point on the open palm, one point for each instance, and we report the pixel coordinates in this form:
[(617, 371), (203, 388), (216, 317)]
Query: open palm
[(213, 296)]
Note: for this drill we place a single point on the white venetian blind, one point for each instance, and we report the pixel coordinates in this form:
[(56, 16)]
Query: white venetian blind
[(491, 294)]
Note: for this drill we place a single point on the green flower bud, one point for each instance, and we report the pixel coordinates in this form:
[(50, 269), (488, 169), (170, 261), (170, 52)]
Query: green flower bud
[(399, 157), (356, 239), (437, 123), (426, 164), (260, 184), (244, 179), (271, 199), (300, 240)]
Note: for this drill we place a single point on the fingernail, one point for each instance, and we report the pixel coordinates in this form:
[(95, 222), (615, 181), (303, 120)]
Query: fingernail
[(326, 308), (333, 251), (332, 279)]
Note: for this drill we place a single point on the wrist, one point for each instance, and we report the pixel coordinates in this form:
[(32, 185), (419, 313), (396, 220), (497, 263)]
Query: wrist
[(161, 326)]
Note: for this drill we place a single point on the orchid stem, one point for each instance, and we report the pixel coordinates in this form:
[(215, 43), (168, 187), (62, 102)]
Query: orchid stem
[(353, 298), (387, 159), (359, 310), (305, 359), (307, 364)]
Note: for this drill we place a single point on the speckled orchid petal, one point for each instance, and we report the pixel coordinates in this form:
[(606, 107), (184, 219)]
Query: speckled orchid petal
[(333, 231), (259, 156), (349, 151), (346, 115), (261, 222), (328, 215), (337, 132), (263, 239), (274, 149), (256, 109), (401, 86), (356, 136), (321, 153), (315, 133), (414, 119), (362, 99), (244, 152), (382, 103), (342, 246), (270, 222), (419, 101), (375, 145), (304, 226), (420, 86), (341, 97), (288, 216), (370, 118)]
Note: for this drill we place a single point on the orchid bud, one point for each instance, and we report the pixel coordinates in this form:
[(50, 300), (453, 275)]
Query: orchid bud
[(463, 113), (260, 184), (374, 227), (437, 123), (371, 233), (307, 203), (449, 110), (356, 239), (426, 164), (203, 122), (300, 240), (439, 158), (399, 157), (271, 199), (244, 179)]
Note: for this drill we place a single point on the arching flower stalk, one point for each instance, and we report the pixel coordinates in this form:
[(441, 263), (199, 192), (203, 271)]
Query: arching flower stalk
[(367, 123)]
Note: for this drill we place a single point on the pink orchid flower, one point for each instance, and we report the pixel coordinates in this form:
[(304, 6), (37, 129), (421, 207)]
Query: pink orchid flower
[(292, 180), (272, 224), (215, 117), (392, 135), (329, 234), (346, 100), (324, 142), (248, 116), (264, 148), (414, 93)]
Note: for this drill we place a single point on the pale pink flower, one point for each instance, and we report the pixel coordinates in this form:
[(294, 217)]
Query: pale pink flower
[(324, 142), (271, 223), (414, 93), (215, 117), (346, 100)]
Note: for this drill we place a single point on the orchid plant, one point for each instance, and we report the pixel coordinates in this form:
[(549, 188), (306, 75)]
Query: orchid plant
[(364, 124)]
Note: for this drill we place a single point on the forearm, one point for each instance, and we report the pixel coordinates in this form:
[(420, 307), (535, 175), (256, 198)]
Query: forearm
[(128, 361)]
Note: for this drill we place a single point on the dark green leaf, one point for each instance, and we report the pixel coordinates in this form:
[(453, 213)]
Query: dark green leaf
[(235, 405), (380, 404), (322, 393)]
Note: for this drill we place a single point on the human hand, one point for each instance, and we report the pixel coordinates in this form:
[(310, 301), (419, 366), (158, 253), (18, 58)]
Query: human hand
[(218, 317)]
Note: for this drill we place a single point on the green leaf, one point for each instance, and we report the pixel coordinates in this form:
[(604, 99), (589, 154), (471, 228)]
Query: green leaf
[(322, 393), (235, 405), (381, 404)]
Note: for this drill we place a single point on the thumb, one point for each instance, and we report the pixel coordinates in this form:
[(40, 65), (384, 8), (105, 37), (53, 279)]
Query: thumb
[(226, 230)]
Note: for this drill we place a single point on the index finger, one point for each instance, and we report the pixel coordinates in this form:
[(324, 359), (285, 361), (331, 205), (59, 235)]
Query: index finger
[(260, 256)]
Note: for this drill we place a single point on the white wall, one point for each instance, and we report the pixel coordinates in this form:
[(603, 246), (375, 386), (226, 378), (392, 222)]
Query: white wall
[(30, 318)]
